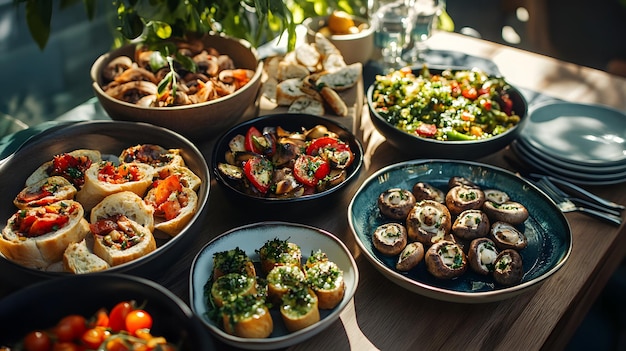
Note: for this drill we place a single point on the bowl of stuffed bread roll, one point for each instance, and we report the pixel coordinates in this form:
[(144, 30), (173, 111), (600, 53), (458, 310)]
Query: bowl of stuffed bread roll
[(98, 196)]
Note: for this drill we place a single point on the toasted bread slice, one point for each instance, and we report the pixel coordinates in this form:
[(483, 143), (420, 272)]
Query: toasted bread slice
[(307, 105), (343, 78), (79, 259), (335, 101)]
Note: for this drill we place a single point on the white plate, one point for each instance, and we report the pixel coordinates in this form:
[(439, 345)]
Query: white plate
[(252, 237), (579, 133), (570, 176)]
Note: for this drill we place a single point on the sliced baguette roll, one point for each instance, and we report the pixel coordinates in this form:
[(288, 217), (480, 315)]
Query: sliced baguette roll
[(288, 70), (83, 157), (305, 104), (79, 259), (154, 155), (187, 177), (135, 177), (43, 242), (174, 205), (44, 192), (288, 91), (125, 203), (335, 101), (127, 241), (343, 78)]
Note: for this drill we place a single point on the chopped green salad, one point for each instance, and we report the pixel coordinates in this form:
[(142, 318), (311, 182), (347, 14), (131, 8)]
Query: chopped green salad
[(454, 105)]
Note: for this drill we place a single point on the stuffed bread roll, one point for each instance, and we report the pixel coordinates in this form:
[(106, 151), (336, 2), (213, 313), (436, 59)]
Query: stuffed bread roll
[(187, 178), (118, 239), (154, 155), (299, 309), (281, 279), (247, 317), (277, 252), (326, 280), (37, 237), (232, 261), (71, 166), (105, 178), (127, 203), (45, 192), (174, 205), (228, 287)]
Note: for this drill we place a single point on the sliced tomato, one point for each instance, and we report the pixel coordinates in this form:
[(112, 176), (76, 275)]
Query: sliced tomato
[(165, 188), (259, 171), (309, 169), (426, 130), (49, 222), (333, 150), (470, 93)]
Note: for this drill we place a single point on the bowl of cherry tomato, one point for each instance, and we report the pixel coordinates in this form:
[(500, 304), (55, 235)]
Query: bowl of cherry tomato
[(286, 158), (99, 312), (446, 113)]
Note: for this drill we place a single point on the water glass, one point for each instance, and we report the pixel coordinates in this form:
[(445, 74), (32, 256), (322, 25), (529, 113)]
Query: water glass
[(390, 20), (422, 14)]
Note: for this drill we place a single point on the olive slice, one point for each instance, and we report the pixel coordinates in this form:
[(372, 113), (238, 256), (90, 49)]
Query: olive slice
[(508, 267)]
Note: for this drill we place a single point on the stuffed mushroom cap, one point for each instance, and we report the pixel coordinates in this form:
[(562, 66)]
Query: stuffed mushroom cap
[(510, 212), (445, 260), (461, 198), (396, 203), (428, 222), (471, 224), (508, 267)]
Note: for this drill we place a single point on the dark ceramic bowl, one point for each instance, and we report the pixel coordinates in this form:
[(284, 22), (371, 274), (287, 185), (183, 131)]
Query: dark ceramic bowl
[(290, 122), (84, 295), (110, 138), (417, 146)]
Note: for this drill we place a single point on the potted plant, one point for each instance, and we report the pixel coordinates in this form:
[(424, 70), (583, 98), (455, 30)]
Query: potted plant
[(256, 21)]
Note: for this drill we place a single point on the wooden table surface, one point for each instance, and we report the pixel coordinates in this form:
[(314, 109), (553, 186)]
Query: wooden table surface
[(385, 316)]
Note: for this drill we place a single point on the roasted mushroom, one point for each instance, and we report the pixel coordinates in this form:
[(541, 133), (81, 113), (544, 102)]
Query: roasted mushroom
[(471, 224), (506, 236), (497, 196), (462, 197), (508, 267), (396, 203), (446, 260), (390, 238), (481, 255), (425, 191), (456, 181), (510, 212), (410, 257), (428, 222)]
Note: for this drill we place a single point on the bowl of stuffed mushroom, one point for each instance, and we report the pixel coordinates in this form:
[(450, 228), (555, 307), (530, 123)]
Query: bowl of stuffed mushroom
[(447, 113), (458, 231)]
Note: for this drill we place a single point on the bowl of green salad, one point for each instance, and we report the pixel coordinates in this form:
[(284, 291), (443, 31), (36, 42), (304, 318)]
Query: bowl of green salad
[(446, 113)]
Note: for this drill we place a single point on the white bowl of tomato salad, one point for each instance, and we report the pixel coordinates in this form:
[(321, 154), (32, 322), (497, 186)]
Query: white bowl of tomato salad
[(446, 113), (286, 158)]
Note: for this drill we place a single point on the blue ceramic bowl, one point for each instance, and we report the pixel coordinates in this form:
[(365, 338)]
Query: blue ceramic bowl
[(547, 230)]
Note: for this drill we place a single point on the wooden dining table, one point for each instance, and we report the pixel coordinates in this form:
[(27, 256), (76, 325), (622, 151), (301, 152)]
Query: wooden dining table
[(386, 316)]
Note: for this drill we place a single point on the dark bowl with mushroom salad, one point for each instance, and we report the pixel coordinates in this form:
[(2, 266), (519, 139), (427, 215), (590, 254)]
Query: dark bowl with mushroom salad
[(286, 158), (446, 113)]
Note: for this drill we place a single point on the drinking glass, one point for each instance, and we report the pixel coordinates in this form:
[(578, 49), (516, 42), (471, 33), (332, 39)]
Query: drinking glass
[(422, 14), (390, 20)]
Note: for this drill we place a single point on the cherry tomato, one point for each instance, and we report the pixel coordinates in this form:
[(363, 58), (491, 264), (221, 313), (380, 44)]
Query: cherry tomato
[(70, 327), (426, 130), (117, 317), (93, 337), (37, 341), (102, 318), (66, 346), (308, 169), (259, 172), (470, 93), (138, 319)]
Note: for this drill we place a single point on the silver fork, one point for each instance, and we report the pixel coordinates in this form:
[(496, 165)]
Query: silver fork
[(578, 201), (566, 205)]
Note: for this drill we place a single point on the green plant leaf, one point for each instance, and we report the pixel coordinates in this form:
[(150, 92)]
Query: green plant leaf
[(38, 16)]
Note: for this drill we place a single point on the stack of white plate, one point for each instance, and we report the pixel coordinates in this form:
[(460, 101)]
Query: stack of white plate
[(584, 144)]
